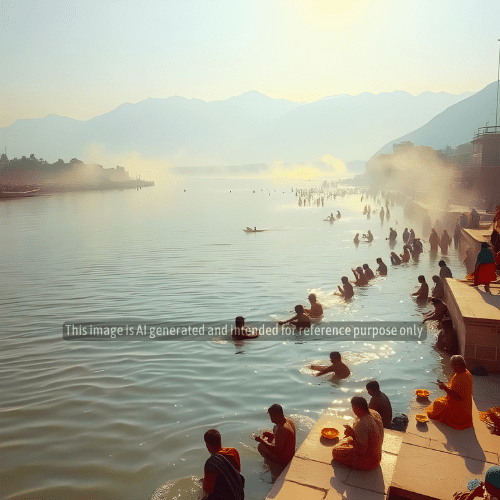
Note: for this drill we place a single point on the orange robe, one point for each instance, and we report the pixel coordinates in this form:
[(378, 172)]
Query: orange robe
[(457, 414), (364, 451)]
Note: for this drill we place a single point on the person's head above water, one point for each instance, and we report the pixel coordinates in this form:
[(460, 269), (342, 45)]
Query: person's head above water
[(379, 260), (442, 263), (240, 321), (299, 309), (312, 298), (335, 357), (213, 440), (344, 279), (421, 279), (366, 266), (359, 269), (436, 279)]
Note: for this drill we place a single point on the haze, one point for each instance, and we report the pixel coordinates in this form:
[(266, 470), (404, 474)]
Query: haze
[(84, 58)]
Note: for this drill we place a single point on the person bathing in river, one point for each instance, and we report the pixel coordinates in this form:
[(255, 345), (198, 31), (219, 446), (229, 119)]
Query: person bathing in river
[(222, 477), (434, 240), (316, 310), (406, 236), (438, 290), (241, 332), (338, 368), (347, 292), (440, 311), (369, 236), (356, 239), (300, 320), (279, 445), (361, 279), (445, 271), (382, 268), (368, 272), (395, 260), (405, 256), (423, 292)]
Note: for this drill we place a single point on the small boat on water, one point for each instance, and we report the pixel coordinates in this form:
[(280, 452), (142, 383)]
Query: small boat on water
[(248, 230), (19, 194)]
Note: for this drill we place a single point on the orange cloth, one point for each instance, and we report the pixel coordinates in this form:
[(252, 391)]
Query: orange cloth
[(233, 456), (457, 414)]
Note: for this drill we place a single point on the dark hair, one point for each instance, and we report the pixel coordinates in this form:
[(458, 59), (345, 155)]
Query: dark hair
[(335, 355), (299, 309), (373, 386), (436, 301), (275, 409), (436, 278), (379, 260), (212, 438), (442, 263), (312, 297), (421, 278), (240, 320), (365, 266), (359, 402), (344, 279)]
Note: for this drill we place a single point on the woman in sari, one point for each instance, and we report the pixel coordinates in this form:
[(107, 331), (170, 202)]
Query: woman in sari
[(454, 409), (485, 270)]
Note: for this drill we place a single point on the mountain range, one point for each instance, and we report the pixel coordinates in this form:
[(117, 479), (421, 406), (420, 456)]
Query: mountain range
[(455, 125), (247, 129)]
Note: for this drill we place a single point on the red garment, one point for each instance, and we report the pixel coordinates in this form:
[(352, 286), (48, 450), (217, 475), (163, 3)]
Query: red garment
[(485, 273), (233, 456)]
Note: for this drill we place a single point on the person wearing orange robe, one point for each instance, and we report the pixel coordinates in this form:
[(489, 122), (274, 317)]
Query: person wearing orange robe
[(362, 447), (454, 409)]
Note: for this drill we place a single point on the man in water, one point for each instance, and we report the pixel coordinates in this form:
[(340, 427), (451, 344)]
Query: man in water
[(316, 310), (382, 268), (440, 311), (380, 403), (339, 369), (423, 292), (445, 271), (348, 291), (242, 332), (279, 445), (392, 234), (222, 477), (368, 272), (362, 447), (361, 279), (300, 320)]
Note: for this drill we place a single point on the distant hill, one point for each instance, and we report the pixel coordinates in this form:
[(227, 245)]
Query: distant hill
[(247, 129), (455, 125)]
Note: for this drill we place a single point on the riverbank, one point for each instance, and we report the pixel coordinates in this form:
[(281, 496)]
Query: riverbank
[(429, 461)]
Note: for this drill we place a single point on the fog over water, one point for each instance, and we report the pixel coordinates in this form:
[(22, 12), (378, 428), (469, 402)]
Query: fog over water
[(117, 420)]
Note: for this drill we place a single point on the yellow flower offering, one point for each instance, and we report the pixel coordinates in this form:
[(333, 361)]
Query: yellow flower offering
[(329, 433)]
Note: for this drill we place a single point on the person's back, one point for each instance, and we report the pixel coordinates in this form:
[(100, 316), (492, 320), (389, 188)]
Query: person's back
[(381, 404), (348, 290), (445, 271), (382, 268), (368, 272)]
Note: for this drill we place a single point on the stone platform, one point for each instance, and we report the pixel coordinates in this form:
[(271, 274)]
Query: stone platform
[(430, 461), (476, 319)]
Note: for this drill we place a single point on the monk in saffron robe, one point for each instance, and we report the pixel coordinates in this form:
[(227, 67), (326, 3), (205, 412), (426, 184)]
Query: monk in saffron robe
[(362, 447), (454, 409)]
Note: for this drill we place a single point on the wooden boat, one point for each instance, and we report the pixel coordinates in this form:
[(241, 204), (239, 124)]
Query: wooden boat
[(18, 194), (254, 230)]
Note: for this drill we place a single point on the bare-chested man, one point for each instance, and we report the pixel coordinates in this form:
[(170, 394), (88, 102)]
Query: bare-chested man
[(279, 445), (301, 320), (361, 279), (339, 369), (347, 292), (242, 332), (380, 403), (316, 310)]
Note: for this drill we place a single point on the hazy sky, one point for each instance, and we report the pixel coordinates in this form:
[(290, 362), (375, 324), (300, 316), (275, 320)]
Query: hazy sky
[(86, 57)]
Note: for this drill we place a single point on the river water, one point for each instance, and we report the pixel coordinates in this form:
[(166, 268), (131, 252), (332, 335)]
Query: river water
[(121, 420)]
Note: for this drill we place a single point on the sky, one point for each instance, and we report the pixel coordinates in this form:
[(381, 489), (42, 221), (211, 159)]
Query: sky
[(83, 58)]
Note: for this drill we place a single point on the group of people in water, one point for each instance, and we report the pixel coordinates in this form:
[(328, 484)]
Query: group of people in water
[(361, 446)]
